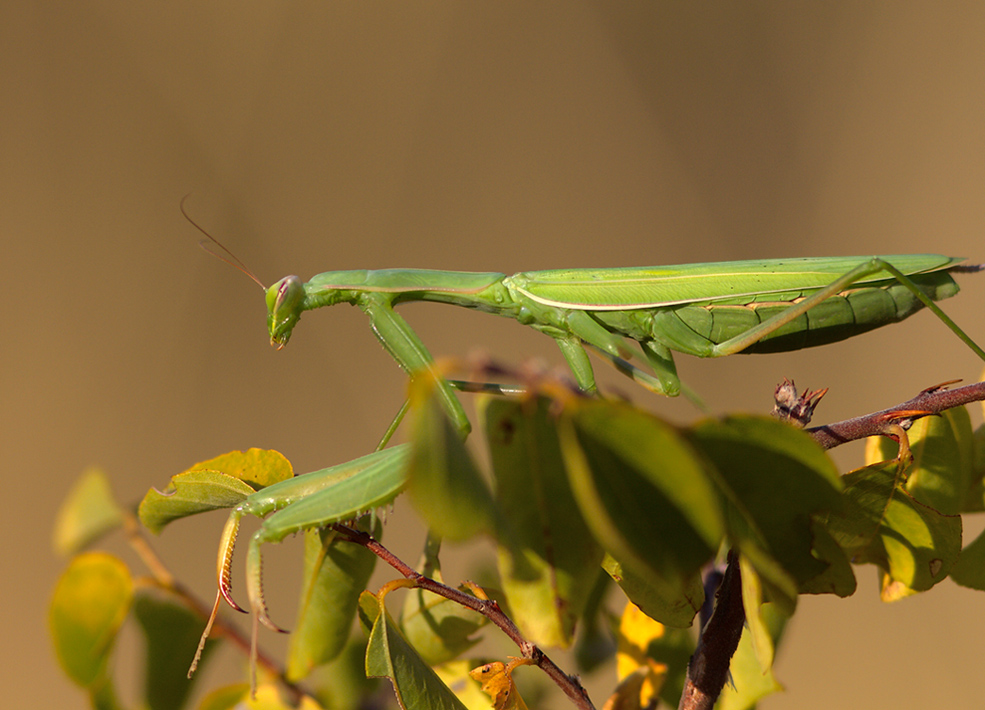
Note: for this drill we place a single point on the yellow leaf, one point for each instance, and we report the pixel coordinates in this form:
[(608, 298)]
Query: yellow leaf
[(636, 631), (497, 682)]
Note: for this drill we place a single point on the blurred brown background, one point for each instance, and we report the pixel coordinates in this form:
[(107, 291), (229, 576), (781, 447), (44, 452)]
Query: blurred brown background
[(502, 136)]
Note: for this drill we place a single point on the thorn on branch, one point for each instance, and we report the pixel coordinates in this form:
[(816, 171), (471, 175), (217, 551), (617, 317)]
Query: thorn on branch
[(791, 407)]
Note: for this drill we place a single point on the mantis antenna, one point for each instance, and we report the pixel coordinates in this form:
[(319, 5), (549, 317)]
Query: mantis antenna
[(211, 244)]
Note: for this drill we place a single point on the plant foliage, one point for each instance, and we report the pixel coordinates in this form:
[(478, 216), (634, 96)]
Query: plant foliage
[(577, 491)]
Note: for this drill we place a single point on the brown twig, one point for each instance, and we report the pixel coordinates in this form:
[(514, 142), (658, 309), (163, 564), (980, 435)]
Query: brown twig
[(489, 608), (932, 400), (708, 669)]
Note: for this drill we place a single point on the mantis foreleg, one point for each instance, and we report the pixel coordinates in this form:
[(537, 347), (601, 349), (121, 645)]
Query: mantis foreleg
[(410, 353)]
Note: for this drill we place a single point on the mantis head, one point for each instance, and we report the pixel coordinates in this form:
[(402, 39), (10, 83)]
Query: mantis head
[(284, 305)]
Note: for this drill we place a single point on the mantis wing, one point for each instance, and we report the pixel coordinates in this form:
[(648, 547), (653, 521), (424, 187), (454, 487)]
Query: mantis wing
[(738, 281)]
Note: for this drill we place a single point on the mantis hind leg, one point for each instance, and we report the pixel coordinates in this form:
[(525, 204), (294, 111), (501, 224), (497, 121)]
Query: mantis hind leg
[(873, 266)]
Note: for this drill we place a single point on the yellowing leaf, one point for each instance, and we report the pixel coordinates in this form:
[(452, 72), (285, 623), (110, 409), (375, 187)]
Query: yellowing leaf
[(91, 600), (258, 467), (636, 631), (89, 511), (497, 682), (188, 494)]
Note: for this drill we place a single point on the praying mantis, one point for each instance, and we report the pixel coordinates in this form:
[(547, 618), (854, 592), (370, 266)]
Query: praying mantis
[(707, 310)]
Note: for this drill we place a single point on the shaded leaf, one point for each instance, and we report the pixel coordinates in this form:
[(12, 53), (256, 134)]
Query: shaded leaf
[(674, 608), (750, 681), (171, 632), (943, 452), (838, 578), (629, 690), (547, 556), (342, 684), (445, 485), (594, 645), (189, 494), (883, 525), (334, 577), (969, 571), (88, 512), (779, 477), (975, 500), (644, 492), (416, 685), (90, 602), (439, 629), (102, 694)]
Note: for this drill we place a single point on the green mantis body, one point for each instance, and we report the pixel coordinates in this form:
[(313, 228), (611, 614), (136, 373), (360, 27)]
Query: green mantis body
[(706, 310)]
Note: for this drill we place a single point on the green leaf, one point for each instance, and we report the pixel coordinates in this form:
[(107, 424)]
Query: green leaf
[(969, 571), (975, 500), (750, 681), (594, 644), (269, 697), (91, 600), (189, 494), (88, 512), (548, 558), (445, 485), (102, 694), (171, 632), (342, 684), (647, 591), (838, 578), (943, 452), (439, 629), (334, 576), (884, 525), (752, 603), (644, 492), (388, 655), (779, 478)]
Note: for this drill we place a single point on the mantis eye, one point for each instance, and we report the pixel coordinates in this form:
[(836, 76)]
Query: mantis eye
[(285, 300)]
